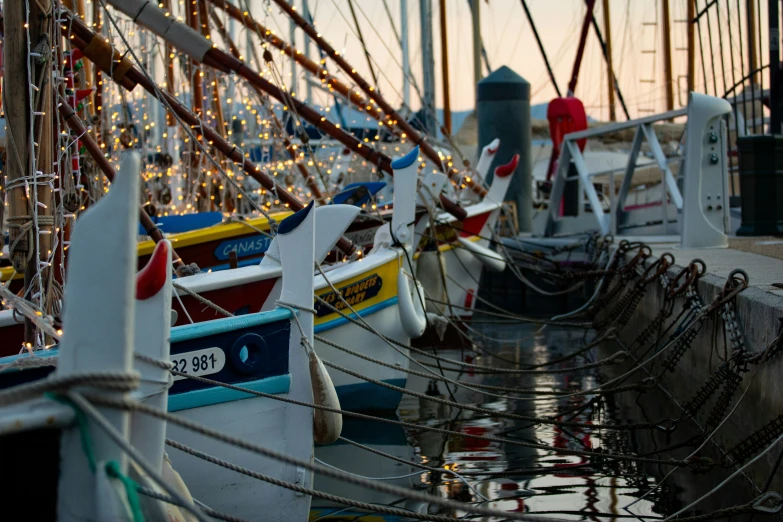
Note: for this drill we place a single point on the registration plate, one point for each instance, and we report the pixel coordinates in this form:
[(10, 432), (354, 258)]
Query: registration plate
[(199, 362)]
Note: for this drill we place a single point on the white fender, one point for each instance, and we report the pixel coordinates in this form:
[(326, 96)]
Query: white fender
[(486, 158), (412, 316), (296, 236), (405, 184), (489, 258), (327, 425), (331, 222)]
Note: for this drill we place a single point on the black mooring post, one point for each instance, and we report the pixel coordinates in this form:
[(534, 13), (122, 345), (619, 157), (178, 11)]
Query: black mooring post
[(775, 96)]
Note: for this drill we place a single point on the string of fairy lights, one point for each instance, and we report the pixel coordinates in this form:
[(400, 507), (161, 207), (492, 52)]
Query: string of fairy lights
[(180, 176)]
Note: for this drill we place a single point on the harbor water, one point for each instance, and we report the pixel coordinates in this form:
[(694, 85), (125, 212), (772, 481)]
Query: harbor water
[(512, 477)]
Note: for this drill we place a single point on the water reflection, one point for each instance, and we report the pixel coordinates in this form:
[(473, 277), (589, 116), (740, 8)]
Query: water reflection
[(514, 478)]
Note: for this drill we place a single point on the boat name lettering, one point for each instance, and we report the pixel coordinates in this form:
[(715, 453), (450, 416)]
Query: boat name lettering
[(198, 362), (244, 247), (352, 294)]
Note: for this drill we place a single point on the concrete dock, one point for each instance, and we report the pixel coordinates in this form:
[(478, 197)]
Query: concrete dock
[(759, 311)]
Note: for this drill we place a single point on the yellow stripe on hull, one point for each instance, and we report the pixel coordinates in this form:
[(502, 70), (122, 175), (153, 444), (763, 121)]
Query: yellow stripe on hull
[(367, 289), (194, 237)]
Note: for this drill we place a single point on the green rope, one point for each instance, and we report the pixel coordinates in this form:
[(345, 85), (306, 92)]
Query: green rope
[(112, 467), (131, 489)]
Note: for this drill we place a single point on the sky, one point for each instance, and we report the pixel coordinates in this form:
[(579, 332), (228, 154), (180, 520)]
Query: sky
[(636, 36)]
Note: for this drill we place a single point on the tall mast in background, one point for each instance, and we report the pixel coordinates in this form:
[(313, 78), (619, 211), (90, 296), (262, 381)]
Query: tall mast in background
[(309, 17), (668, 77), (428, 67), (406, 64), (475, 12), (609, 67), (444, 61)]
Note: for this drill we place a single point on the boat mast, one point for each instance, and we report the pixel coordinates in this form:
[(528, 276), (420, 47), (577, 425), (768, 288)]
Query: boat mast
[(428, 68), (475, 17), (406, 65), (775, 97), (691, 21), (750, 11), (294, 83), (308, 85), (444, 61), (28, 109), (529, 17), (668, 76), (580, 51), (361, 41), (609, 67)]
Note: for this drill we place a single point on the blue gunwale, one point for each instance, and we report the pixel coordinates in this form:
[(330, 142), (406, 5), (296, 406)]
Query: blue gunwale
[(187, 332)]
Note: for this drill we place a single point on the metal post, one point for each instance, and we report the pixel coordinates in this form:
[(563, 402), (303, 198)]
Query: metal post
[(503, 111), (609, 68), (475, 12), (309, 18), (428, 66), (774, 68)]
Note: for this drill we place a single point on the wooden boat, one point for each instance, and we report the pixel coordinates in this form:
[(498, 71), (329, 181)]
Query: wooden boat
[(261, 352)]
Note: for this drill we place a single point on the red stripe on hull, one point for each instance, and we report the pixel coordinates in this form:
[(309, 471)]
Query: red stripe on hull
[(239, 300)]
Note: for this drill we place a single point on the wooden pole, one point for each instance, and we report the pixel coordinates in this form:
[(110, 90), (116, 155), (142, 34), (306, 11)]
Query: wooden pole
[(691, 46), (29, 120), (753, 60), (609, 66), (580, 51), (444, 61), (475, 16), (668, 76), (170, 121)]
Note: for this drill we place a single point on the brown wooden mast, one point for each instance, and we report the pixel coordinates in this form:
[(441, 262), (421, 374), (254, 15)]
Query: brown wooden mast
[(444, 61), (668, 76), (26, 129), (609, 66), (691, 45), (580, 50), (753, 58)]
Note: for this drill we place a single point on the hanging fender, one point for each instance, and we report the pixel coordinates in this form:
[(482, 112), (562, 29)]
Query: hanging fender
[(412, 316), (327, 425), (489, 258)]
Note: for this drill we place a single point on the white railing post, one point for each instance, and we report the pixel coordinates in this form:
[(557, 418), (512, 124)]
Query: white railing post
[(705, 210)]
